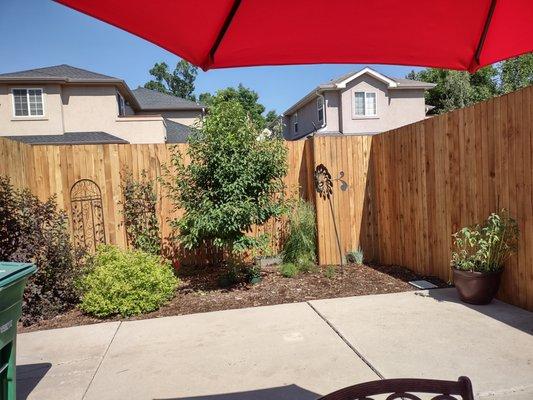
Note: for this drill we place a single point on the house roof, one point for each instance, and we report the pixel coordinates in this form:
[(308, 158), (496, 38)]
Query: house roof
[(153, 100), (63, 71), (340, 83), (176, 132), (70, 138)]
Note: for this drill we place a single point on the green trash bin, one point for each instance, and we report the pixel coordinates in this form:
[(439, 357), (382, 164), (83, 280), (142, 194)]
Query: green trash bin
[(13, 278)]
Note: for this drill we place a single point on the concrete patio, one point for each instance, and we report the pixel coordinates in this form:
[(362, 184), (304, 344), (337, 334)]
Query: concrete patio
[(286, 352)]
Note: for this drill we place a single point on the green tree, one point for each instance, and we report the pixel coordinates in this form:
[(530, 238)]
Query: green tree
[(516, 73), (274, 124), (233, 181), (456, 89), (179, 83), (247, 98)]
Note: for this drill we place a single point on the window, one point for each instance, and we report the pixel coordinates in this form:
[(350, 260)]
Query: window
[(295, 122), (320, 108), (364, 104), (28, 102), (121, 105)]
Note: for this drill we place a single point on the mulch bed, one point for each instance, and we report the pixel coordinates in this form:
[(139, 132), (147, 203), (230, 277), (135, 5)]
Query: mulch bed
[(200, 291)]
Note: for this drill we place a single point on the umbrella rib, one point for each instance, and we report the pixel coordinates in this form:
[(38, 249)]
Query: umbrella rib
[(223, 30), (485, 31)]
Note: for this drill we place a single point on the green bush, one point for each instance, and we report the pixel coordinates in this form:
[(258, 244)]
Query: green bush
[(288, 270), (233, 181), (330, 271), (35, 231), (355, 256), (125, 282), (485, 247), (139, 213), (300, 245)]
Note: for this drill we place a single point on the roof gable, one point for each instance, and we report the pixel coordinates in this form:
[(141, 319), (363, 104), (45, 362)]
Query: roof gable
[(341, 83)]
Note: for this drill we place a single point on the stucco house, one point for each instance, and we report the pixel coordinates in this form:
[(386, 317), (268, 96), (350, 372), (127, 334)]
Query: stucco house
[(68, 105), (359, 103)]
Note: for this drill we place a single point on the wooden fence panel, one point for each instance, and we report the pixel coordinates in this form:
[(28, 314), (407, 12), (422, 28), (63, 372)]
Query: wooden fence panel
[(49, 170), (435, 176)]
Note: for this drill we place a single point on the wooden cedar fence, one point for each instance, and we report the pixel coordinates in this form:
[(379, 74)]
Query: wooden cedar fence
[(408, 189), (49, 170), (412, 187)]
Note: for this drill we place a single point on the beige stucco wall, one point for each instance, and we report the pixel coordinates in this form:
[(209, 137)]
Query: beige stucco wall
[(90, 108), (76, 108), (140, 129), (185, 117), (333, 101), (395, 107), (50, 123)]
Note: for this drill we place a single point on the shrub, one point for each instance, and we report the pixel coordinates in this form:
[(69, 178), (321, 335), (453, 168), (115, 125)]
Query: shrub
[(300, 245), (139, 213), (355, 256), (330, 271), (125, 282), (35, 231), (485, 247), (288, 270), (233, 181), (229, 275)]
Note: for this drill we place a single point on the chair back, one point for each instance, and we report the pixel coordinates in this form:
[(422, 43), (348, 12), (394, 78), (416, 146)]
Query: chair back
[(406, 389)]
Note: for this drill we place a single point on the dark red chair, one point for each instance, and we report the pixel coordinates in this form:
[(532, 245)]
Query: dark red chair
[(405, 389)]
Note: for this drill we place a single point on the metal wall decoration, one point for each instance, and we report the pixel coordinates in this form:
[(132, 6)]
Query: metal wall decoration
[(87, 214), (324, 187)]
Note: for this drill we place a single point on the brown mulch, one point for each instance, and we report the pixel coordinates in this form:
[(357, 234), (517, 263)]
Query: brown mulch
[(200, 292)]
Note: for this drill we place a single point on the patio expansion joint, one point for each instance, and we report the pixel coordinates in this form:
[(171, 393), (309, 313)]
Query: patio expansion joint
[(101, 360), (352, 347)]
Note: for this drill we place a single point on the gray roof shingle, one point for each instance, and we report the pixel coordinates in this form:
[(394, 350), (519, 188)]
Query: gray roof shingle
[(70, 138), (176, 132), (63, 71), (154, 100)]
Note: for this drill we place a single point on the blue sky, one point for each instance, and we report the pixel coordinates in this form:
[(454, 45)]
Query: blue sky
[(39, 33)]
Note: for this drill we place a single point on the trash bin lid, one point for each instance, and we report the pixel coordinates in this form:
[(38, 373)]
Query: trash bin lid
[(12, 271)]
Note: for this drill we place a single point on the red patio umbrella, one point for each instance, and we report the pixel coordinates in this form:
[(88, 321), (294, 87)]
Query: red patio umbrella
[(455, 34)]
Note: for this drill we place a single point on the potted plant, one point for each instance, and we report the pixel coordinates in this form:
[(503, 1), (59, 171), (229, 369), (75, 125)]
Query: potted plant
[(479, 254)]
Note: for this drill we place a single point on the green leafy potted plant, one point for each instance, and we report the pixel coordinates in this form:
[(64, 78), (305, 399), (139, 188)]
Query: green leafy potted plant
[(479, 254)]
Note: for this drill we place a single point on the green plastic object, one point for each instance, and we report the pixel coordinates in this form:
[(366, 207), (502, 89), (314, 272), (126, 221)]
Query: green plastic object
[(13, 278)]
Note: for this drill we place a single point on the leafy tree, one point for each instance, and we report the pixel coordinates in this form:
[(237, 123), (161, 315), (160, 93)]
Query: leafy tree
[(516, 73), (178, 83), (247, 98), (456, 89), (274, 124), (233, 181)]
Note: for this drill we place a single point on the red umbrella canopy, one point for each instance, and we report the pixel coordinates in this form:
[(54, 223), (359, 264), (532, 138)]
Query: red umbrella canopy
[(455, 34)]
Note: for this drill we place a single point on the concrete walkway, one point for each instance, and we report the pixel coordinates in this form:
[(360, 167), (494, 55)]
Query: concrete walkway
[(286, 352)]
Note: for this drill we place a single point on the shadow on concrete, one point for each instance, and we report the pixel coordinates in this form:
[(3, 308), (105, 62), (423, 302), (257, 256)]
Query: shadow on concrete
[(513, 316), (29, 376), (289, 392)]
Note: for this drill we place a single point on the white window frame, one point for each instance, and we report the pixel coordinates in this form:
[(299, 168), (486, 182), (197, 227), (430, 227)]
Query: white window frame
[(365, 115), (320, 106), (27, 89), (295, 122)]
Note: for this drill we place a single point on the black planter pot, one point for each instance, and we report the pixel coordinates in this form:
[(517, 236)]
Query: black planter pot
[(476, 287)]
